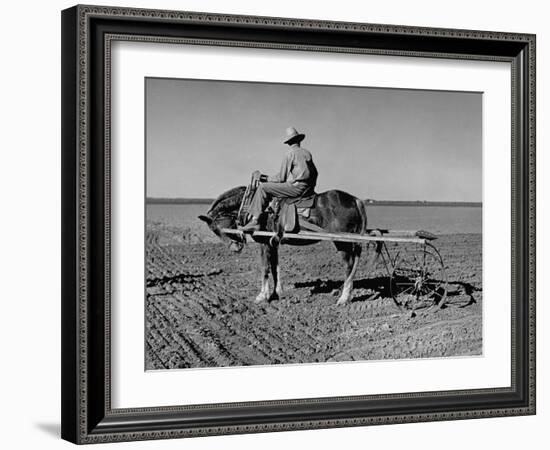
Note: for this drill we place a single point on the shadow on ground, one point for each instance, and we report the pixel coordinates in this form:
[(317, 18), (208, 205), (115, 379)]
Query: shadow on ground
[(381, 288), (378, 284)]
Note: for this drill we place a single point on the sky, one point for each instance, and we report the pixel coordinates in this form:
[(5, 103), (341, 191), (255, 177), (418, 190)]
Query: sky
[(204, 137)]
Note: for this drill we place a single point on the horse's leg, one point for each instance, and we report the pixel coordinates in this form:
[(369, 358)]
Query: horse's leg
[(279, 285), (274, 264), (351, 254), (265, 255)]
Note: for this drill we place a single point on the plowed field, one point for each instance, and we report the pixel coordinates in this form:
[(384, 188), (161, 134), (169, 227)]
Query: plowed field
[(200, 309)]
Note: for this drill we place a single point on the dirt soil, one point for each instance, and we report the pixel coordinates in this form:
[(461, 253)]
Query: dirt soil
[(200, 309)]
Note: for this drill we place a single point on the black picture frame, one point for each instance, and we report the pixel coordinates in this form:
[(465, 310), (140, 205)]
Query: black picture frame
[(87, 416)]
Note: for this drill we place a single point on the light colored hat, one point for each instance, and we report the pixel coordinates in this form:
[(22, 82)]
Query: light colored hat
[(293, 136)]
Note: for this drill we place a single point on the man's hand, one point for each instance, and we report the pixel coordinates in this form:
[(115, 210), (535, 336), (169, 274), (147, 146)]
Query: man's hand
[(256, 175)]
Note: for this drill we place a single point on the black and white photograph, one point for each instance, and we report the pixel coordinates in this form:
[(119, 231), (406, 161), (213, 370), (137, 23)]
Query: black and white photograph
[(299, 224), (275, 225)]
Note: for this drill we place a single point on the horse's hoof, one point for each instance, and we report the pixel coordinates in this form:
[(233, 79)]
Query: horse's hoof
[(342, 301), (261, 298), (273, 296)]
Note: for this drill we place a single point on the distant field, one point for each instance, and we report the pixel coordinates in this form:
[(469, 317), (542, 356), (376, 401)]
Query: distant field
[(172, 219)]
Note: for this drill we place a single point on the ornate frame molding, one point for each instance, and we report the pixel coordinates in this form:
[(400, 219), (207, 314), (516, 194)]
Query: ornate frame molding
[(87, 422)]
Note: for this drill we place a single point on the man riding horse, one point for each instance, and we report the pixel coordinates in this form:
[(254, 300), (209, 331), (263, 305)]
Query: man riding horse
[(334, 211), (296, 178)]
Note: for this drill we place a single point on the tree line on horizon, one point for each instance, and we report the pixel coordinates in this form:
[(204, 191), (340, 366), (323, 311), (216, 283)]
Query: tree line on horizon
[(368, 201)]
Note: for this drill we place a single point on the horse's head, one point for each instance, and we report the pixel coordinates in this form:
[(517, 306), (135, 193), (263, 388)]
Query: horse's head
[(223, 214)]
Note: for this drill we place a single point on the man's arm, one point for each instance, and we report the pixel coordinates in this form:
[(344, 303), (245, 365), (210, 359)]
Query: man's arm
[(283, 172)]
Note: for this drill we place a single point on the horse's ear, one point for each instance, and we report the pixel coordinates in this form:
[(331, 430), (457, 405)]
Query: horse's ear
[(206, 219)]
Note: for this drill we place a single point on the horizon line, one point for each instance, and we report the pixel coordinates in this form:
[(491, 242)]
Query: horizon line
[(202, 200)]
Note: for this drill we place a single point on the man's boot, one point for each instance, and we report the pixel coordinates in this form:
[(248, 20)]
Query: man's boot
[(251, 226)]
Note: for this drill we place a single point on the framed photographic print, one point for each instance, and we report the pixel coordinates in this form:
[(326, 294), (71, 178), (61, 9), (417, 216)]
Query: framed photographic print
[(281, 224)]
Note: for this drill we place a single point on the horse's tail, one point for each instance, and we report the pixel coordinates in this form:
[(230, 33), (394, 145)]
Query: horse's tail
[(363, 213)]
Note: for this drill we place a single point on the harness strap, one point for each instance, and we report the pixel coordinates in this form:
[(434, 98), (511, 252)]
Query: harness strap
[(245, 202)]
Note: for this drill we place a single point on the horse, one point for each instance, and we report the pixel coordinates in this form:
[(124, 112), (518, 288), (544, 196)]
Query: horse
[(334, 211)]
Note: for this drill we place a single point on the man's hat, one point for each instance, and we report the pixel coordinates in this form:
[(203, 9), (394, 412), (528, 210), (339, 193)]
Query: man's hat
[(293, 136)]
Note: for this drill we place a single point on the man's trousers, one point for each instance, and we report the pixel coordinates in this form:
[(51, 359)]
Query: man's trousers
[(266, 191)]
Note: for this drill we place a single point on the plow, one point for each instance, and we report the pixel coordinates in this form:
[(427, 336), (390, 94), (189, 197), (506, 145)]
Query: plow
[(414, 267)]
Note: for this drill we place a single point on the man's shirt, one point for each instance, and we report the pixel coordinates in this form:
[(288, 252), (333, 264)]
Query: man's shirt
[(297, 166)]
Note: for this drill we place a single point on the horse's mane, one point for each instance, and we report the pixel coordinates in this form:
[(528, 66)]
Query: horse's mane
[(227, 203)]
